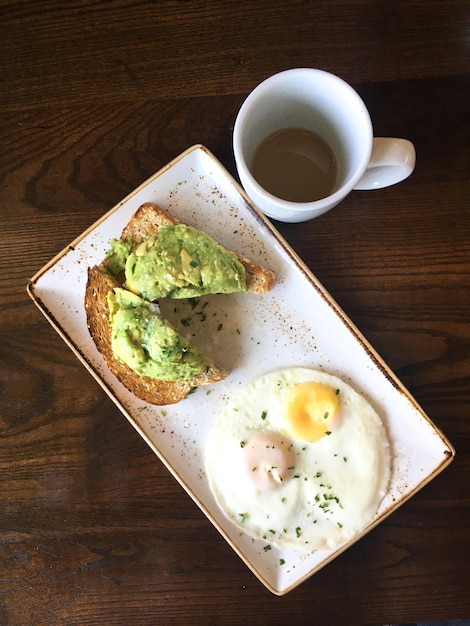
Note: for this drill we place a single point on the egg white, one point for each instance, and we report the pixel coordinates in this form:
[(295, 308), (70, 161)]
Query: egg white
[(328, 490)]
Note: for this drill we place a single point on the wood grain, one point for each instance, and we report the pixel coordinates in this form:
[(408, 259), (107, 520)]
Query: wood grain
[(96, 97)]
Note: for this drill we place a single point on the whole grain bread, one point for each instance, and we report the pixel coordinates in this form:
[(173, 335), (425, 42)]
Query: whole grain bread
[(149, 216), (144, 224), (151, 390)]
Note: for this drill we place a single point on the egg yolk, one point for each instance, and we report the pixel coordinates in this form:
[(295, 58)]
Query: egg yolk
[(311, 410), (268, 460)]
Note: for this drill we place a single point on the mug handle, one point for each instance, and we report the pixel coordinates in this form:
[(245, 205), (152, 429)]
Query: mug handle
[(392, 160)]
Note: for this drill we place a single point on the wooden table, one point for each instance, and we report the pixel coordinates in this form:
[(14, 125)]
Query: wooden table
[(96, 97)]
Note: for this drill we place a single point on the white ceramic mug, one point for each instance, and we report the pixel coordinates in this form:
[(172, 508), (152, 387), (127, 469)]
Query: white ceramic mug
[(325, 104)]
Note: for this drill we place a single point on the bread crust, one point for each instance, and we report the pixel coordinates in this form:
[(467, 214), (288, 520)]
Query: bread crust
[(143, 224)]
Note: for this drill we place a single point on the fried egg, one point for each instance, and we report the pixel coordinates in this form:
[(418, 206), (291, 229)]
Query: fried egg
[(299, 459)]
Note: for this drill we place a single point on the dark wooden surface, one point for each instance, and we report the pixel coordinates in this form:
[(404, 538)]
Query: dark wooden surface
[(95, 97)]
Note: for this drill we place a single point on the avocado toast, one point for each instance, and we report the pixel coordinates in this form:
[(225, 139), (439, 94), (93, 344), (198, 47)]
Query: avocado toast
[(141, 348)]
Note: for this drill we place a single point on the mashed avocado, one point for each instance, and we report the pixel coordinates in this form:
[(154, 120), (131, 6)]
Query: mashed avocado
[(117, 254), (182, 262), (147, 343)]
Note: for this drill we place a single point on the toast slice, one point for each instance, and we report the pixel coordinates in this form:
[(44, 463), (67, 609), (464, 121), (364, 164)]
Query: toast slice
[(149, 217), (151, 390), (144, 224)]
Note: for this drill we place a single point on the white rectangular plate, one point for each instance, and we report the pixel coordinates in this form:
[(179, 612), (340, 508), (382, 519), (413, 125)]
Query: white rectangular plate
[(296, 324)]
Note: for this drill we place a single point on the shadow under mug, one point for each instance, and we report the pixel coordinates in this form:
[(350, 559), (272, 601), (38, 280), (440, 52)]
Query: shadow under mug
[(326, 105)]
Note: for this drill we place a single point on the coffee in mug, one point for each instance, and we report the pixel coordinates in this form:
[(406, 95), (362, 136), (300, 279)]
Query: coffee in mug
[(295, 164)]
